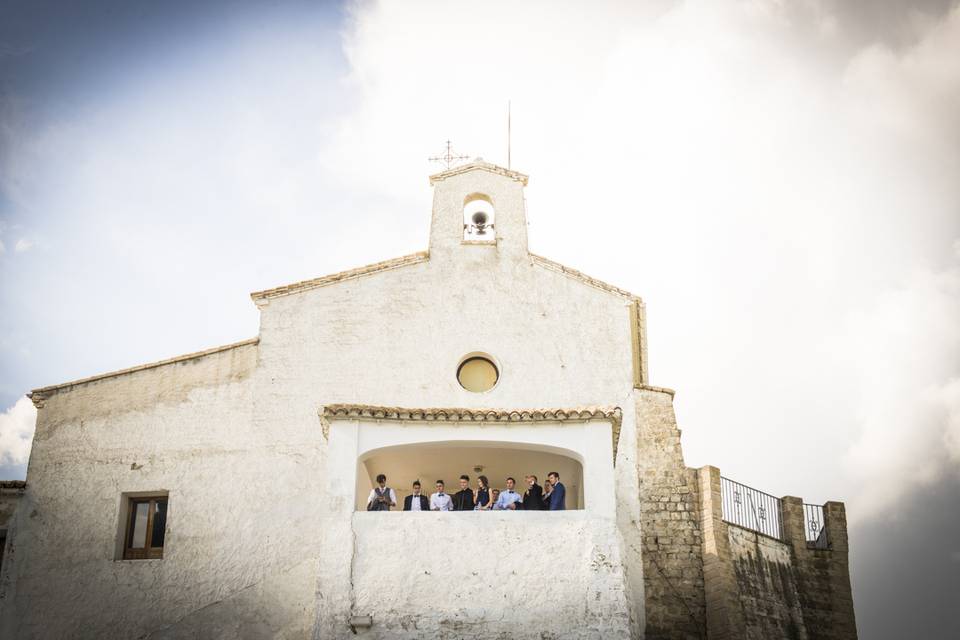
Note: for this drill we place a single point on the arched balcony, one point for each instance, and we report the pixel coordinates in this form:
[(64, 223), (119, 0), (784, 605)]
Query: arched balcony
[(448, 460)]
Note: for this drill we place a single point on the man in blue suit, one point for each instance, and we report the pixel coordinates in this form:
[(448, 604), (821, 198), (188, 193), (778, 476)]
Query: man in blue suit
[(558, 500)]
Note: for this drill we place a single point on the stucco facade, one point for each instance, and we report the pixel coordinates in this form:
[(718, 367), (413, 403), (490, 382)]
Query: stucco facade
[(260, 448)]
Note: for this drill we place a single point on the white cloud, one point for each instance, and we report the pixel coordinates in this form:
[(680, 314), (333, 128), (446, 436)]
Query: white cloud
[(757, 179), (16, 432), (906, 352), (23, 245)]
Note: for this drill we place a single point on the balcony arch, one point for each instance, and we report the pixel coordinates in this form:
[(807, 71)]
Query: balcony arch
[(358, 433), (448, 459)]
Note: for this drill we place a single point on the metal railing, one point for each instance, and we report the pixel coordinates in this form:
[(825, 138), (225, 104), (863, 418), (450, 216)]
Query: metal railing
[(814, 529), (751, 509)]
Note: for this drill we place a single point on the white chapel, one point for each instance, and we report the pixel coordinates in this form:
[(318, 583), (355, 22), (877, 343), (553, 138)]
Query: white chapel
[(223, 494)]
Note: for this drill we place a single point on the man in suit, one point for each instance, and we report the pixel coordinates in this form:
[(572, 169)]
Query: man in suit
[(533, 496), (558, 499), (463, 499), (416, 501)]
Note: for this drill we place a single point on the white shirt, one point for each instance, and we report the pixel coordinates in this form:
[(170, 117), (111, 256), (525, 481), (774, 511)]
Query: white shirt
[(441, 502), (373, 494), (506, 498), (415, 502)]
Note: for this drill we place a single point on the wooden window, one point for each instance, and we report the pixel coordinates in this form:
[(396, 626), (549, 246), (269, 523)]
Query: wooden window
[(146, 528)]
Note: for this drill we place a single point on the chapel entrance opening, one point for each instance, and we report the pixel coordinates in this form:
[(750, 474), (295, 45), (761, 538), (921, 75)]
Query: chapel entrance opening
[(447, 461)]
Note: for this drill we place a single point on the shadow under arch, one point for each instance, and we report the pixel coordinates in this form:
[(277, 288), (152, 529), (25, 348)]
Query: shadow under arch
[(446, 459)]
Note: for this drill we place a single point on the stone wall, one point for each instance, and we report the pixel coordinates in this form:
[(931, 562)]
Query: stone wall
[(766, 585), (10, 493), (669, 522), (762, 588), (824, 574)]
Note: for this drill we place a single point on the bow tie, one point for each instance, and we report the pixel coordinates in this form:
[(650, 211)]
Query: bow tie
[(440, 494)]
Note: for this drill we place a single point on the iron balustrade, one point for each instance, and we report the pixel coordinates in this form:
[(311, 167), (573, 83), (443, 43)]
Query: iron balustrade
[(751, 509), (814, 529)]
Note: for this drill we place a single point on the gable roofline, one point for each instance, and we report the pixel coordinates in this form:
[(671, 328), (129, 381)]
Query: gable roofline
[(479, 164), (582, 277), (423, 256), (39, 395), (314, 283)]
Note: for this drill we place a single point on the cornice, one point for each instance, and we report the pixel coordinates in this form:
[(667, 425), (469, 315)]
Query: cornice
[(650, 387), (613, 415), (479, 165), (41, 394), (261, 297), (582, 277)]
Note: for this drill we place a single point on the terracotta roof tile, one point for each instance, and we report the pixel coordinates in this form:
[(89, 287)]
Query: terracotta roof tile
[(614, 415)]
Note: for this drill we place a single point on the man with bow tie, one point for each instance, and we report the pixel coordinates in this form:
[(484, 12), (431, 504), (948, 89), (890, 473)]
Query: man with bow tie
[(509, 499), (416, 501), (440, 501)]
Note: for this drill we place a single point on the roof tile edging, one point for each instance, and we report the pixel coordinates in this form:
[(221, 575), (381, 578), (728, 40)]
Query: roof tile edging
[(314, 283), (485, 166), (39, 395), (547, 263), (437, 414), (650, 387)]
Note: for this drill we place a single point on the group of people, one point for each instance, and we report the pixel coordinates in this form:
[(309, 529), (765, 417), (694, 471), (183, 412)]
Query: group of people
[(550, 497)]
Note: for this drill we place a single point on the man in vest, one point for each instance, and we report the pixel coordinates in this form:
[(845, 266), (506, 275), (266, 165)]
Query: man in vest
[(381, 497)]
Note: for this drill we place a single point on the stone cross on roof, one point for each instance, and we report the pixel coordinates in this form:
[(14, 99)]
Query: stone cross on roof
[(449, 158)]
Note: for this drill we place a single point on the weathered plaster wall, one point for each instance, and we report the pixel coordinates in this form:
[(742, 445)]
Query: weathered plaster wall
[(237, 514), (488, 575)]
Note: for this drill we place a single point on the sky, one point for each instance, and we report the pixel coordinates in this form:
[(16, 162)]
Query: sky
[(777, 180)]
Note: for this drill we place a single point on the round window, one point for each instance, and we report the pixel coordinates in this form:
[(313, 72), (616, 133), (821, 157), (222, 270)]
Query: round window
[(477, 374)]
